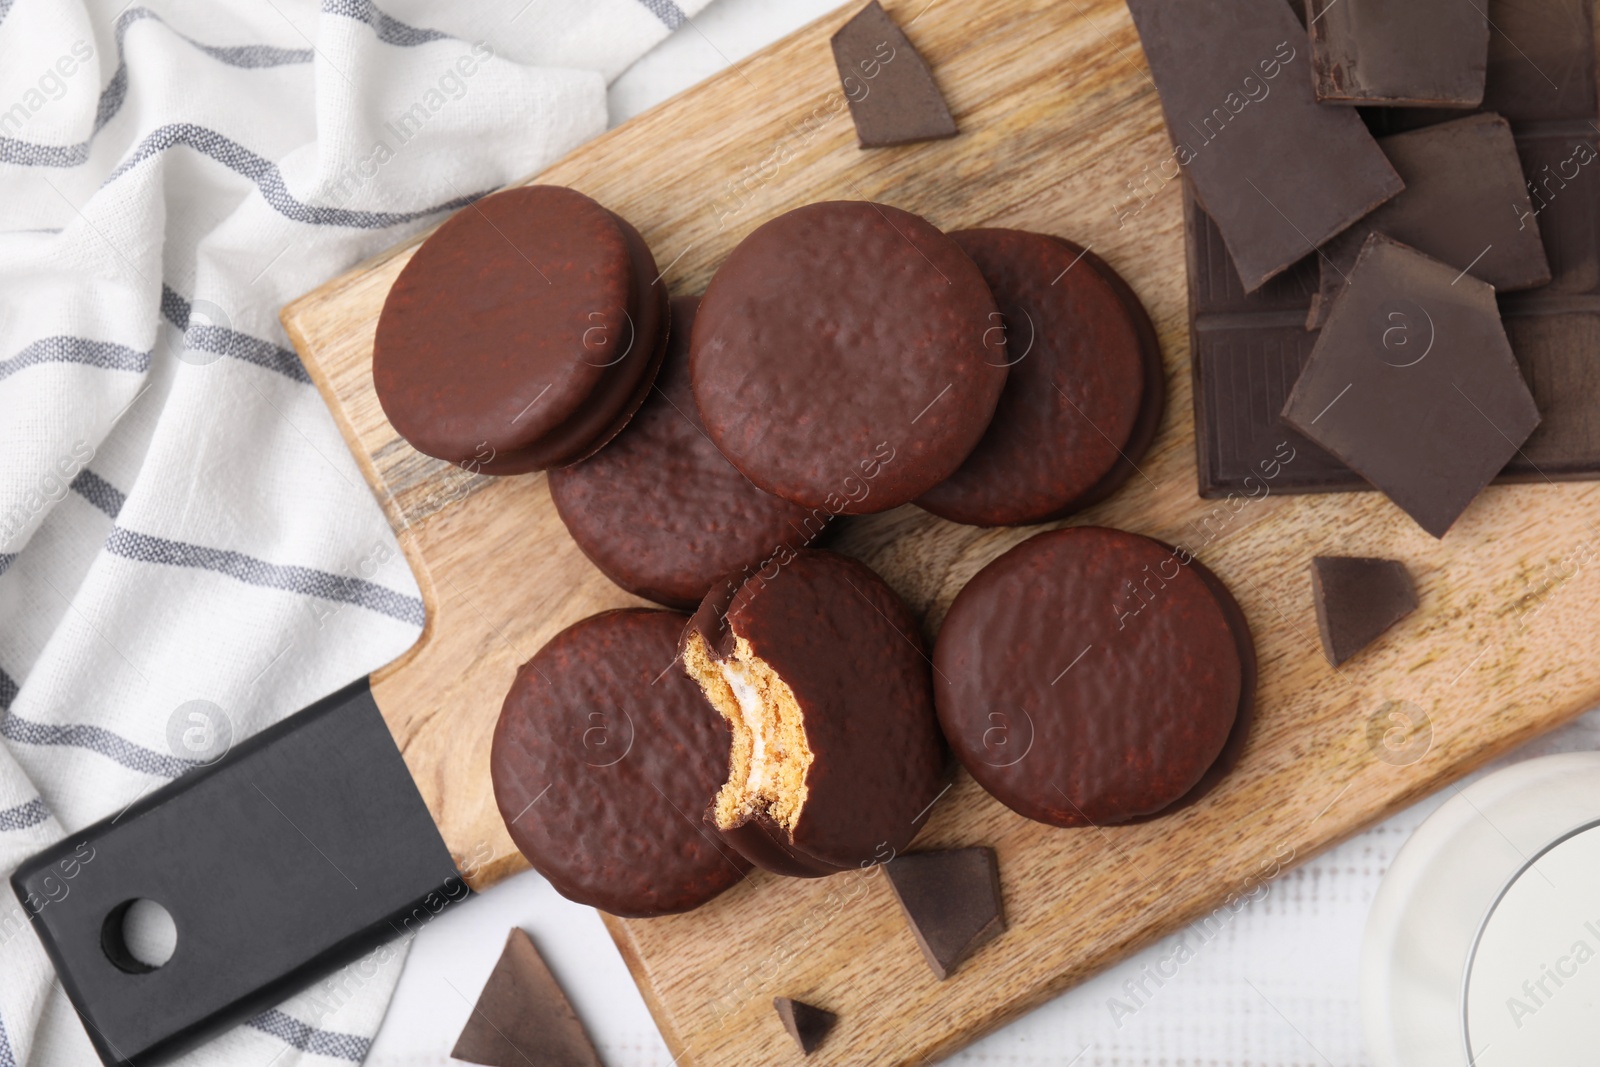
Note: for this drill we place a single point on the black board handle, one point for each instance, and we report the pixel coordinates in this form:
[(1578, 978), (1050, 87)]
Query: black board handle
[(304, 848)]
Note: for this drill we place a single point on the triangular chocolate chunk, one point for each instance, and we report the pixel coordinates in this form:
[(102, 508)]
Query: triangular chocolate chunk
[(522, 1018), (952, 902), (1358, 599), (807, 1024), (893, 97)]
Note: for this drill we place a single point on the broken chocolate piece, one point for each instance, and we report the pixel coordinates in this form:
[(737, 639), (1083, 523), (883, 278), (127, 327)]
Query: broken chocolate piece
[(1541, 60), (893, 97), (1413, 385), (1465, 203), (1357, 600), (523, 1017), (808, 1025), (1414, 53), (951, 901), (1279, 173)]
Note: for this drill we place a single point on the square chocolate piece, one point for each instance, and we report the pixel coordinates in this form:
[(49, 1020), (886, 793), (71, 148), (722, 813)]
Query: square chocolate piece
[(1465, 203), (1280, 173), (1407, 53), (1541, 59), (1413, 385)]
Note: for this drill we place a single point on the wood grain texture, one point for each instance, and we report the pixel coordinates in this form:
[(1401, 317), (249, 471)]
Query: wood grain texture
[(1058, 117)]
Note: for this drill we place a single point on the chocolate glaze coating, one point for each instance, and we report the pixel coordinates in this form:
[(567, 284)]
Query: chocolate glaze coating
[(659, 510), (1088, 677), (1082, 352), (498, 346), (1154, 404), (839, 356), (630, 753), (631, 370), (766, 845), (851, 652), (1245, 718)]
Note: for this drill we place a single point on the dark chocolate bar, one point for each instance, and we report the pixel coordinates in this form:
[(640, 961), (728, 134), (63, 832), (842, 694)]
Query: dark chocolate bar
[(1247, 348), (1406, 53), (1279, 173)]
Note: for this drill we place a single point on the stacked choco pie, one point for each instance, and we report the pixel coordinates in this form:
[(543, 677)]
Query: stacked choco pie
[(847, 358)]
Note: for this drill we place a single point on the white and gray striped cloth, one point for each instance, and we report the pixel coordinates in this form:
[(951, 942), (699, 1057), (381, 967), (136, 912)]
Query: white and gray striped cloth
[(187, 550)]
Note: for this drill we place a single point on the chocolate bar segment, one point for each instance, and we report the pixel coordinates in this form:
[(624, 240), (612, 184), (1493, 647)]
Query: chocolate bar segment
[(1541, 60), (1246, 351), (1279, 173), (893, 97), (1413, 385), (1408, 53), (1466, 203)]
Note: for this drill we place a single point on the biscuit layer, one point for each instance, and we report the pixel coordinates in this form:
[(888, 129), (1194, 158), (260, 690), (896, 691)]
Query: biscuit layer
[(769, 757)]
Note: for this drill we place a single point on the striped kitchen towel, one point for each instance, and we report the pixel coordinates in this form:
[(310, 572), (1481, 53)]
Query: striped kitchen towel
[(188, 552)]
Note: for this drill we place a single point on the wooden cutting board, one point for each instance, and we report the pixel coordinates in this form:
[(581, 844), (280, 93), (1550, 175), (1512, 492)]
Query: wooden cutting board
[(1058, 116)]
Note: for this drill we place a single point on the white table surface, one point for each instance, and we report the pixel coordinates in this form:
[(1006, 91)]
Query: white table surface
[(1275, 987)]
